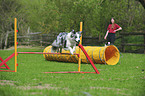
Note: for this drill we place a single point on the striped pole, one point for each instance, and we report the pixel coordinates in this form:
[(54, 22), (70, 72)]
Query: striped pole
[(79, 62), (88, 58), (15, 40)]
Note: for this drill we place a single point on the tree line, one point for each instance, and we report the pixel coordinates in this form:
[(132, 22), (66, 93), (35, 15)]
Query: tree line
[(54, 16)]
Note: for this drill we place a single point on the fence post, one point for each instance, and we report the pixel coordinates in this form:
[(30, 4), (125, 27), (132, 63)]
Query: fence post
[(41, 39), (122, 43), (144, 44)]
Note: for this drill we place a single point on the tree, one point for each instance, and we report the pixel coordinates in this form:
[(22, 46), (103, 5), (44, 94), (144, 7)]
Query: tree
[(9, 10), (54, 16), (142, 2)]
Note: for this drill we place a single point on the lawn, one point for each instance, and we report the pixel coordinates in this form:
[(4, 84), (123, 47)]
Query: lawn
[(127, 78)]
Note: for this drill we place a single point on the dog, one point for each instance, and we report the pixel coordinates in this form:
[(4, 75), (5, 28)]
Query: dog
[(67, 41)]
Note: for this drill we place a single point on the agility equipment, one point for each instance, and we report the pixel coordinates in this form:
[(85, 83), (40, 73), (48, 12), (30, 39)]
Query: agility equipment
[(15, 54), (102, 55), (81, 48), (4, 62), (87, 56), (79, 62), (16, 43)]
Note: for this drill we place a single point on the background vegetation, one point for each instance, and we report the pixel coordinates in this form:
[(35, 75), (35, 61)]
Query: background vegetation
[(54, 16)]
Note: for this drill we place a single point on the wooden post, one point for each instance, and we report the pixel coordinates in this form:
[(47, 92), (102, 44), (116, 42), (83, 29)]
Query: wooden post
[(41, 40), (144, 44), (122, 43)]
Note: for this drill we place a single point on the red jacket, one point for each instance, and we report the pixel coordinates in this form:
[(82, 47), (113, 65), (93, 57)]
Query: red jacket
[(116, 26)]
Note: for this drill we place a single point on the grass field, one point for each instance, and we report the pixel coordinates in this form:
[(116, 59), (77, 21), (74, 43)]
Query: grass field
[(127, 78)]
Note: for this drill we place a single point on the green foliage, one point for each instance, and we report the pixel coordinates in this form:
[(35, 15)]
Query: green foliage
[(65, 15), (125, 78), (54, 16)]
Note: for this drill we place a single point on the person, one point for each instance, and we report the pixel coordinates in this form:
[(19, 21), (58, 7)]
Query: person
[(111, 30)]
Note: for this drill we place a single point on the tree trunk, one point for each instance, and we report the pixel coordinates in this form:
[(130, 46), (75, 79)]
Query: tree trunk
[(1, 42), (6, 40), (28, 35), (142, 2)]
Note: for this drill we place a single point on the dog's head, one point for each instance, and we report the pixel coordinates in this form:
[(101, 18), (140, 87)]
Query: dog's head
[(75, 36)]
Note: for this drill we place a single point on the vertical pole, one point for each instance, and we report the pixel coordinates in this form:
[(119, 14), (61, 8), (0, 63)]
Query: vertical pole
[(15, 42), (79, 62)]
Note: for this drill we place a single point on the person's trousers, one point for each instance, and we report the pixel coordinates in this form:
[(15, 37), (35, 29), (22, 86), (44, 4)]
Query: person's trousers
[(111, 38)]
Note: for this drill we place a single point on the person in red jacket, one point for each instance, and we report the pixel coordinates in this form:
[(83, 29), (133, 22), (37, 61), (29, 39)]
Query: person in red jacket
[(111, 30)]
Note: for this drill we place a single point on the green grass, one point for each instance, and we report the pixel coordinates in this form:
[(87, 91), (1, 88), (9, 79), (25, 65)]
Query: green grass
[(127, 78)]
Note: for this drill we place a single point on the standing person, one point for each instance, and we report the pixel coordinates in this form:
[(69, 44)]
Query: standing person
[(111, 30)]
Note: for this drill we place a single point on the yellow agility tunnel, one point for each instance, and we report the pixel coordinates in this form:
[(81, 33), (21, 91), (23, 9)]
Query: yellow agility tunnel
[(102, 55)]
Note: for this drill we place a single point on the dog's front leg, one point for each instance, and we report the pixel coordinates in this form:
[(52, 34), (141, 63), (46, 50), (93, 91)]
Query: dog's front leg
[(74, 47), (71, 50)]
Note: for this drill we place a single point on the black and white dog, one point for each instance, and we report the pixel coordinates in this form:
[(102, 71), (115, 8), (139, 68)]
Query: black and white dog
[(67, 41)]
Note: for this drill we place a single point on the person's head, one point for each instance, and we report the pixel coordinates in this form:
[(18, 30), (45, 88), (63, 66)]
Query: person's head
[(112, 20)]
